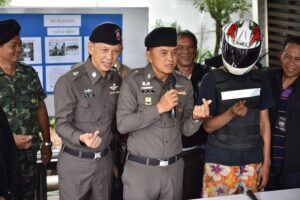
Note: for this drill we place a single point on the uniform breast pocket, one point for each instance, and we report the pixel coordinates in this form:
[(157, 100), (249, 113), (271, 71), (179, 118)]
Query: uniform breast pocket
[(28, 100), (83, 111)]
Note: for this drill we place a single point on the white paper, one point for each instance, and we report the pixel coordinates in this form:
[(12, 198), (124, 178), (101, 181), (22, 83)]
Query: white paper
[(53, 72), (62, 20), (32, 50), (63, 31), (39, 70), (63, 49), (85, 48)]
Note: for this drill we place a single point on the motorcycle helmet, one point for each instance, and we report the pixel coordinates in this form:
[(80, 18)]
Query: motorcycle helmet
[(241, 46)]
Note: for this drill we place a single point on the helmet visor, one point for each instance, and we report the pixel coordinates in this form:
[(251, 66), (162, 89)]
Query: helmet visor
[(238, 57)]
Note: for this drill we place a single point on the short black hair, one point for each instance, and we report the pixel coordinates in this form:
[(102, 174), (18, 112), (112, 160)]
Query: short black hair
[(189, 34), (291, 39)]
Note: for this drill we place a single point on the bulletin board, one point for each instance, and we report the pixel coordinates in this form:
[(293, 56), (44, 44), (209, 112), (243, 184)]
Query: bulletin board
[(52, 43), (56, 38)]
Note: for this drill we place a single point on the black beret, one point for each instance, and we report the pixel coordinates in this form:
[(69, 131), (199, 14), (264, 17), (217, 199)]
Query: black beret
[(8, 29), (107, 33), (162, 36)]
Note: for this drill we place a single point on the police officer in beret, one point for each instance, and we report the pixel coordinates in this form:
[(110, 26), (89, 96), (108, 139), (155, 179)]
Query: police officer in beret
[(22, 99), (156, 106), (85, 101)]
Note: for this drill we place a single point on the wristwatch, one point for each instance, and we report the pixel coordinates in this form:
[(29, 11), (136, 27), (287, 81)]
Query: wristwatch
[(47, 144)]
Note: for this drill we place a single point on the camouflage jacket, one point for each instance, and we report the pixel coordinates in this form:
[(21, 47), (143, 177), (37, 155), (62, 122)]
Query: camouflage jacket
[(20, 95)]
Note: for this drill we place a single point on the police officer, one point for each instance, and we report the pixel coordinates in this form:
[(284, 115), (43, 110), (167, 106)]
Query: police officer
[(156, 106), (237, 155), (22, 99), (85, 104)]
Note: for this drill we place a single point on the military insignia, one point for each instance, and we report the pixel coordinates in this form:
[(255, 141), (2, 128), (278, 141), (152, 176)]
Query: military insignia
[(177, 85), (147, 91), (94, 74), (181, 92), (113, 89), (33, 101), (148, 101), (75, 73), (146, 85), (148, 76), (88, 93)]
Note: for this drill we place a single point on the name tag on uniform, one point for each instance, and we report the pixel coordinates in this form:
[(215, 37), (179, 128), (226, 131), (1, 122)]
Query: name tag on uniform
[(88, 93)]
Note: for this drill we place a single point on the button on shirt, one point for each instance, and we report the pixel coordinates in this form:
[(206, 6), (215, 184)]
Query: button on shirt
[(154, 135), (85, 102)]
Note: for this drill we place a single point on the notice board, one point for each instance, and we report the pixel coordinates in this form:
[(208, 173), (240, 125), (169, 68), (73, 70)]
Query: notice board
[(54, 39)]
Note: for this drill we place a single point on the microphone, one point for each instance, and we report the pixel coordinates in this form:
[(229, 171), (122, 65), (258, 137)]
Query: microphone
[(171, 82), (250, 194)]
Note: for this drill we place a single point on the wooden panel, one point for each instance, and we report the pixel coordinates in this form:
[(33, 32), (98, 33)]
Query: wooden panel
[(283, 19)]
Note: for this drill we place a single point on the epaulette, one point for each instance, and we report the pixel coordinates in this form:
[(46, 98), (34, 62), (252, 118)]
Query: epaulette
[(75, 73), (137, 72)]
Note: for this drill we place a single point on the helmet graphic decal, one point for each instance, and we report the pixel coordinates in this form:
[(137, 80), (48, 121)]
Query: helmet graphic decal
[(232, 31), (256, 35)]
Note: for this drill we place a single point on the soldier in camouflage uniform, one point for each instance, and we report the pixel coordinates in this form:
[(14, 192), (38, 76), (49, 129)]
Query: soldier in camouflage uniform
[(22, 99)]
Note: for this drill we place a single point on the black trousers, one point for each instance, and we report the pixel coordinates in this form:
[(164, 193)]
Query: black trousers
[(193, 173)]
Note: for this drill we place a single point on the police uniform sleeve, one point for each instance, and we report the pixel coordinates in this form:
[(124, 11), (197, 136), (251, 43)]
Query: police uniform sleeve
[(64, 103), (189, 125), (128, 117)]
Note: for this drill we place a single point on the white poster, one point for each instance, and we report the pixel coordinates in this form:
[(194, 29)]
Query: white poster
[(39, 70), (62, 20), (63, 49), (32, 50), (53, 72), (85, 48), (63, 31)]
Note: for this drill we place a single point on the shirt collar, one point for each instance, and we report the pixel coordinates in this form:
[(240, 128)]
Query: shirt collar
[(149, 73), (93, 74), (19, 69)]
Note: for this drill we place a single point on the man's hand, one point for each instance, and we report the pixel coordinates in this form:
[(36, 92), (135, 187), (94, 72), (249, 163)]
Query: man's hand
[(201, 112), (2, 198), (168, 101), (23, 141), (46, 154), (239, 109), (91, 140), (262, 175)]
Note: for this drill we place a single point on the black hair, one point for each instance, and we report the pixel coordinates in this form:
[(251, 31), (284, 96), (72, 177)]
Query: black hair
[(189, 34), (291, 39)]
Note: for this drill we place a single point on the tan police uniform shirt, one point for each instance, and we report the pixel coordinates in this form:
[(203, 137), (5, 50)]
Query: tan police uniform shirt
[(84, 103), (154, 135)]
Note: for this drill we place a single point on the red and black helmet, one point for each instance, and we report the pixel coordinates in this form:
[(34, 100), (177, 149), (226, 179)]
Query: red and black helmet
[(241, 46)]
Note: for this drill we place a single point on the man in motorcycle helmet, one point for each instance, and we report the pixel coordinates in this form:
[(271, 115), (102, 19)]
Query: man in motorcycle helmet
[(237, 156)]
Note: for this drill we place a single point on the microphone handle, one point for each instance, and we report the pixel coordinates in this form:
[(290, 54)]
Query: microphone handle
[(251, 195)]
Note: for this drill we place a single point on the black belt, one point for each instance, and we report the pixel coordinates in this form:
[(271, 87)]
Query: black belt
[(84, 154), (152, 161)]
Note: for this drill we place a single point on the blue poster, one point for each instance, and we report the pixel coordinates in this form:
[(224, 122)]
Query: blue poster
[(52, 43)]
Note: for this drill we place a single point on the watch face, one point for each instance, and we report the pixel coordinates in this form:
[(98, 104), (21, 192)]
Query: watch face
[(48, 144)]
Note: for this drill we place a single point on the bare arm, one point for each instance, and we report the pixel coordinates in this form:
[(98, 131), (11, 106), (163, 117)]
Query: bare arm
[(43, 120), (216, 122), (265, 131)]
